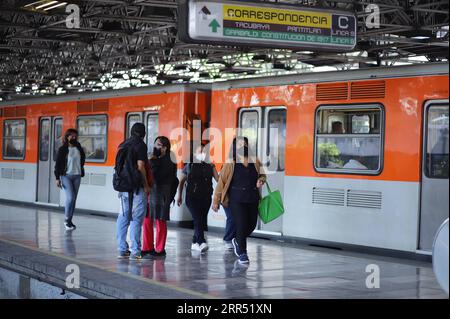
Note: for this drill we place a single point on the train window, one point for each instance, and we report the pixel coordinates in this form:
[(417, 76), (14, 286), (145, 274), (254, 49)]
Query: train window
[(14, 139), (57, 141), (44, 145), (348, 139), (276, 139), (249, 128), (436, 165), (131, 120), (152, 130), (92, 135), (360, 124)]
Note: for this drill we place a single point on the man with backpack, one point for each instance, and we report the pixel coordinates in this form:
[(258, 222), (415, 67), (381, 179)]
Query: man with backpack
[(130, 180)]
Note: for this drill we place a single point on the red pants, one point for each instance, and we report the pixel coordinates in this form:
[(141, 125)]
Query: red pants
[(161, 235)]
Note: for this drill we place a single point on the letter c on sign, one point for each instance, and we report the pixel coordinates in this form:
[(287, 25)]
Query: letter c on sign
[(343, 22)]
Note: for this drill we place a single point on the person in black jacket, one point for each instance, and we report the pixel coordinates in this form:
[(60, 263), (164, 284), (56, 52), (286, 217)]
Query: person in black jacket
[(69, 169), (199, 175), (164, 174)]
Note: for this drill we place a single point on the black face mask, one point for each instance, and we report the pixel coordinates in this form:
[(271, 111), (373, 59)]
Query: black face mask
[(157, 152), (73, 142)]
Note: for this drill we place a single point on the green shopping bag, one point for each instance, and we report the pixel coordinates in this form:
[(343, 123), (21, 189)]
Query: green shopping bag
[(271, 206)]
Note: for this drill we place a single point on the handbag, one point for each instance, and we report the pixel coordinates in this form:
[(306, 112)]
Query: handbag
[(271, 206)]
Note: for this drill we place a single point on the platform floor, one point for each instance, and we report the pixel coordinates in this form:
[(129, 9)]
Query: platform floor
[(276, 270)]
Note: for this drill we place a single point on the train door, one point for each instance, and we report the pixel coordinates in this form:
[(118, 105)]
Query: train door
[(151, 121), (152, 124), (434, 195), (266, 130), (50, 139)]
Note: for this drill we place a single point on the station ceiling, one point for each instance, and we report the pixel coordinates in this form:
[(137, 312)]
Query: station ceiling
[(127, 43)]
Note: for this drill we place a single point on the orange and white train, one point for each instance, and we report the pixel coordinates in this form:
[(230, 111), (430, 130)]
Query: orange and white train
[(360, 156)]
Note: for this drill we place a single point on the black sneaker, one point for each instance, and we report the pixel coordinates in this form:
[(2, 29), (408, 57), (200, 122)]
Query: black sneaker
[(159, 254), (124, 255), (243, 259), (147, 256), (69, 226), (147, 252)]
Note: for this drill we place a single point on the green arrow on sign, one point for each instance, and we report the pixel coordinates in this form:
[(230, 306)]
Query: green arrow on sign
[(214, 25)]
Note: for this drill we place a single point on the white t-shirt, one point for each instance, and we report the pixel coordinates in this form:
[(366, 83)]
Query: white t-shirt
[(73, 162)]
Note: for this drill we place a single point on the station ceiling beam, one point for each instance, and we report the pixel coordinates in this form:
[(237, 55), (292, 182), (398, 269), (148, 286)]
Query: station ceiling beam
[(124, 35)]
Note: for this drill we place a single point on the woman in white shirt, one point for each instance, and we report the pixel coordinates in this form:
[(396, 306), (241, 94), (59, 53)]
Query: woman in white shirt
[(69, 169)]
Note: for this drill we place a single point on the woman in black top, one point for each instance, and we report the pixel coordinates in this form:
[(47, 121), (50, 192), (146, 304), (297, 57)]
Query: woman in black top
[(164, 173), (69, 169), (240, 181), (199, 175)]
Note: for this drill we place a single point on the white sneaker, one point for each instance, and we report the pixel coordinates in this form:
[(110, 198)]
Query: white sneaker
[(203, 247), (228, 245), (195, 247)]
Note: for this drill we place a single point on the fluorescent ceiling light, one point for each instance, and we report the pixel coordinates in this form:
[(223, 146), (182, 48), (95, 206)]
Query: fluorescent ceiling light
[(46, 4), (33, 3), (56, 6)]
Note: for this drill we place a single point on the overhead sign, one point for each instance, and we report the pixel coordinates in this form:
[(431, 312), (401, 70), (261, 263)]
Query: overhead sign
[(269, 25)]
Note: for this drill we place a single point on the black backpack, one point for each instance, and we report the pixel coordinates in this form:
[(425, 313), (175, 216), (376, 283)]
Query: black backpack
[(127, 177), (199, 181)]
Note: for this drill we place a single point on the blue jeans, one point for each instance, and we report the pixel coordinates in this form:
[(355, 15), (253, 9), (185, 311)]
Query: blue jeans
[(230, 227), (71, 185), (123, 221)]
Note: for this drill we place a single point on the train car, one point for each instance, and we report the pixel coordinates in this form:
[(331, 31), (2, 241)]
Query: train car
[(32, 130), (360, 156)]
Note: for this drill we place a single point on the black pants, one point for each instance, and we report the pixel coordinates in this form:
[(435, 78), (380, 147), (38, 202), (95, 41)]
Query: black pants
[(245, 218), (199, 208)]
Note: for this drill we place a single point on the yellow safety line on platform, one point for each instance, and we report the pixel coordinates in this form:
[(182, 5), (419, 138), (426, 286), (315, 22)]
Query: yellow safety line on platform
[(77, 261)]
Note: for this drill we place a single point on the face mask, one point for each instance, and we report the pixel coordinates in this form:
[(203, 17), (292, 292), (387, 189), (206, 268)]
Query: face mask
[(243, 151), (157, 152), (73, 142), (200, 157)]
